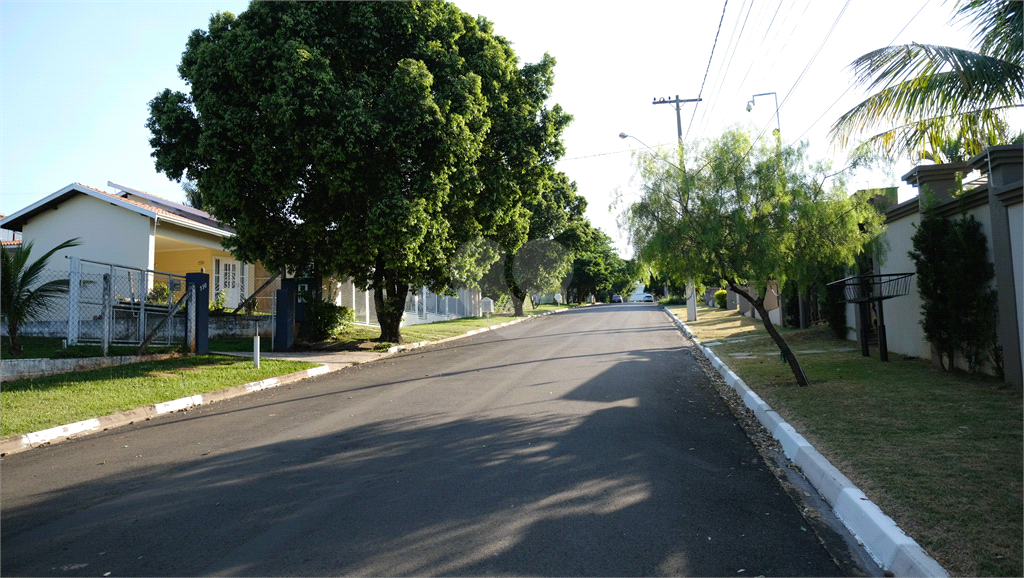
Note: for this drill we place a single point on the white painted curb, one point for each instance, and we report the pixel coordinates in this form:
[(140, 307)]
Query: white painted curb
[(15, 444), (890, 547)]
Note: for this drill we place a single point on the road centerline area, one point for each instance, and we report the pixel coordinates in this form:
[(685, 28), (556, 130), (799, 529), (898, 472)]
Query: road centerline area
[(586, 443)]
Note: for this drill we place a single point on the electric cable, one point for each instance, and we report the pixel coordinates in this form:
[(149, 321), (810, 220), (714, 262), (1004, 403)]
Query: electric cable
[(722, 19)]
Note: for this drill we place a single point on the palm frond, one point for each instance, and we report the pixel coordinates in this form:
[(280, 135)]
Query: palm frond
[(998, 27), (932, 138), (920, 83), (981, 78)]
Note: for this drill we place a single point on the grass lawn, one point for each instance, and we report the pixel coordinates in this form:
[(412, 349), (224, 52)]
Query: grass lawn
[(941, 453), (29, 405)]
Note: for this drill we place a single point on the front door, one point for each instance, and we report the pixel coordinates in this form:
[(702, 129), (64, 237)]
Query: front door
[(230, 278)]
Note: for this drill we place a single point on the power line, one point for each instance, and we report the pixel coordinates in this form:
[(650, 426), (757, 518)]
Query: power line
[(730, 51), (850, 86), (596, 155), (809, 63), (701, 93)]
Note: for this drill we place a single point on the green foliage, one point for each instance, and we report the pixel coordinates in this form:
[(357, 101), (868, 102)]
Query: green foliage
[(158, 294), (928, 96), (325, 320), (597, 270), (746, 213), (371, 140), (556, 229), (23, 297), (218, 305), (721, 298), (957, 304), (833, 303)]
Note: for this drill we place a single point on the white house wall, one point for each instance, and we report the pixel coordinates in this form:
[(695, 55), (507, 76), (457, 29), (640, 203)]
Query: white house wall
[(1015, 214), (903, 330), (107, 233)]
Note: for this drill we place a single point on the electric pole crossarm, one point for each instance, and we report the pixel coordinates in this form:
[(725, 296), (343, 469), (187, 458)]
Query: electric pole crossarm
[(678, 102)]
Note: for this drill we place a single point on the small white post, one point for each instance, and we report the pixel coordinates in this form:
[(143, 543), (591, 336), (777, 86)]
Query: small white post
[(256, 351), (691, 302)]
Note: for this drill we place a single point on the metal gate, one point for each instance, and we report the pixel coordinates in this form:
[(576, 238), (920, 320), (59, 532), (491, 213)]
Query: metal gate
[(111, 304)]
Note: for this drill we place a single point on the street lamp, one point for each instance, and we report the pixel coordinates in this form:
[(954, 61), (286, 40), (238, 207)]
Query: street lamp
[(623, 135), (750, 106)]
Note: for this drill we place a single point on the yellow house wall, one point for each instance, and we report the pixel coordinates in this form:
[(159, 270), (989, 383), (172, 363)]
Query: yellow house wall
[(183, 261)]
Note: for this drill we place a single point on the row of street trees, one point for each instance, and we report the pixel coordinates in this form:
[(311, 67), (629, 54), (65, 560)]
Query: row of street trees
[(750, 213), (399, 143)]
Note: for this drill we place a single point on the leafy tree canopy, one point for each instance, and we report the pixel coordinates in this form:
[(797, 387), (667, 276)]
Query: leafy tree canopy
[(556, 229), (369, 140), (748, 214)]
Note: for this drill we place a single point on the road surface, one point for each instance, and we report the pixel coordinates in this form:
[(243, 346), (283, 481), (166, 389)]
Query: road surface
[(583, 443)]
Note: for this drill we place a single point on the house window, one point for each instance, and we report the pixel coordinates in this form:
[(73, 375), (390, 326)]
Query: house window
[(216, 277)]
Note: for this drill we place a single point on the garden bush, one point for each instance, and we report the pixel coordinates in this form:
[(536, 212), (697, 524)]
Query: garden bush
[(721, 297)]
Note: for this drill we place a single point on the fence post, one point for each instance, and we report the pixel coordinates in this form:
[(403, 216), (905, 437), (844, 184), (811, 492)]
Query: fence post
[(199, 283), (190, 320), (108, 311), (144, 282), (74, 295)]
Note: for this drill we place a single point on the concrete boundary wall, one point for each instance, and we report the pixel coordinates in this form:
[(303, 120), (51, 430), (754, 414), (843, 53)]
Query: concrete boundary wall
[(11, 369), (887, 544)]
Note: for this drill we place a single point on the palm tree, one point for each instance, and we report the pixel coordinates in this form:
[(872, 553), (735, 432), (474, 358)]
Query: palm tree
[(22, 297), (932, 95)]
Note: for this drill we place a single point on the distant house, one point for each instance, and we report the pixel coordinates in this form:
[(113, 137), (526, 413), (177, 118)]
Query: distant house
[(133, 229)]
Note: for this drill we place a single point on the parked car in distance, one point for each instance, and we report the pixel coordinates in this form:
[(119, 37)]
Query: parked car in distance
[(616, 298), (648, 298)]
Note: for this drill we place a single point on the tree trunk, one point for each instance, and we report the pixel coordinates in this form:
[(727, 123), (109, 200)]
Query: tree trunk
[(518, 295), (14, 343), (787, 353), (389, 299)]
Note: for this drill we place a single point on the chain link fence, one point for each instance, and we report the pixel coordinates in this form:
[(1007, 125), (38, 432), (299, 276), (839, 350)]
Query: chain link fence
[(104, 304)]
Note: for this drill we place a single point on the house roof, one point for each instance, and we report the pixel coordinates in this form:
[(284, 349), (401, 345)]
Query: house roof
[(130, 199)]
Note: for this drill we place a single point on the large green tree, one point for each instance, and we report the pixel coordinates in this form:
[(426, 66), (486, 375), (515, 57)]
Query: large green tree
[(597, 270), (537, 258), (928, 96), (739, 214), (361, 139)]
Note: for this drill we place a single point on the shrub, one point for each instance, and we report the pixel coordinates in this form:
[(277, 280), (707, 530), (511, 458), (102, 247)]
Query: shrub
[(218, 306), (721, 297), (158, 294), (325, 320), (953, 273)]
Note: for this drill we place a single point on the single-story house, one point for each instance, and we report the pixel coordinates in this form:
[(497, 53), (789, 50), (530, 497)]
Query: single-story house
[(138, 230), (133, 229)]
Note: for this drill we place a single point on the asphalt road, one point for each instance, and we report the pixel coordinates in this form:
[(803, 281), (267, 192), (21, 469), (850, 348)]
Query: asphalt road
[(584, 443)]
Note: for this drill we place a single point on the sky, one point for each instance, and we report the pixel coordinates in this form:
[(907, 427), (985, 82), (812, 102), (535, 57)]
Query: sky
[(77, 78)]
